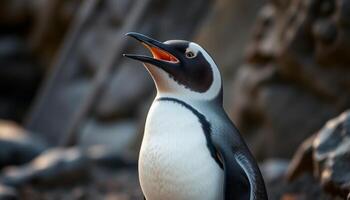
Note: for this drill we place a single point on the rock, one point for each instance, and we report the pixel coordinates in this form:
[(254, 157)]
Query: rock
[(294, 76), (108, 140), (302, 160), (125, 92), (273, 169), (94, 45), (117, 10), (303, 188), (221, 37), (106, 156), (53, 166), (7, 193), (15, 12), (104, 183), (71, 97), (19, 77), (330, 156), (11, 46), (17, 146)]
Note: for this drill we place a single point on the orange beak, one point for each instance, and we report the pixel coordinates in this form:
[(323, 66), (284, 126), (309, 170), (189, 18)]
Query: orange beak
[(160, 54)]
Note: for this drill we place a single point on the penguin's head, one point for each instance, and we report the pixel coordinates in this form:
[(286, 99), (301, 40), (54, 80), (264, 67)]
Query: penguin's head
[(180, 68)]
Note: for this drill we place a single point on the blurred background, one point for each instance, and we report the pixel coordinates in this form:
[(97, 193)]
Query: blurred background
[(72, 109)]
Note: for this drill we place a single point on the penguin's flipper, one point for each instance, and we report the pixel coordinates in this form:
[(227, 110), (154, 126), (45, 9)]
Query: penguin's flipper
[(243, 180), (237, 185)]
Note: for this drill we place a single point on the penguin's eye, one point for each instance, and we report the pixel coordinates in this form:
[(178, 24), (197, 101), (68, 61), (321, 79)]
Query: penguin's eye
[(190, 54)]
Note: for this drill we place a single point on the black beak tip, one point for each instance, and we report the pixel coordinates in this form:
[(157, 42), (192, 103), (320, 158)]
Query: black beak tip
[(132, 56), (129, 33), (135, 35), (136, 57)]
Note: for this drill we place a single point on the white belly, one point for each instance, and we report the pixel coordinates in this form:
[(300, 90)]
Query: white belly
[(174, 162)]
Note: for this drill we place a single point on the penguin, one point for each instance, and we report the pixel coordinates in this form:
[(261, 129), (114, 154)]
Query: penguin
[(191, 150)]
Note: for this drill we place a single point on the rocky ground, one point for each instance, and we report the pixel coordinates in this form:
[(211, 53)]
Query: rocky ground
[(101, 183), (319, 169)]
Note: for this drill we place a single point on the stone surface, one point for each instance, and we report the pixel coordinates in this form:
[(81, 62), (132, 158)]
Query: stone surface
[(220, 35), (19, 77), (8, 193), (105, 139), (126, 91), (329, 157), (15, 12), (17, 146), (332, 155), (121, 184), (295, 74), (273, 170), (117, 10), (225, 33), (53, 166), (303, 188)]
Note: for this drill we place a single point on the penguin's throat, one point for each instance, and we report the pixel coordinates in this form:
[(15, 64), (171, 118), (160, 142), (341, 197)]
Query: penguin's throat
[(160, 54)]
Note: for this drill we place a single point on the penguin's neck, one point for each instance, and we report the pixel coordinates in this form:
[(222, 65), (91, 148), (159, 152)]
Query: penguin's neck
[(216, 102), (173, 96)]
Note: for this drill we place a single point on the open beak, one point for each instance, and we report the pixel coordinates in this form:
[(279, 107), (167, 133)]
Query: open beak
[(163, 55)]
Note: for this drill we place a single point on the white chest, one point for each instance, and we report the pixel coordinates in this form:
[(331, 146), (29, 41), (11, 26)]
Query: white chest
[(175, 163)]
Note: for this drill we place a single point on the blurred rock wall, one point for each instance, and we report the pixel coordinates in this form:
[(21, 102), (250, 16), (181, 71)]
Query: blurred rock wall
[(33, 35), (118, 114), (225, 34), (27, 47), (295, 76), (121, 108)]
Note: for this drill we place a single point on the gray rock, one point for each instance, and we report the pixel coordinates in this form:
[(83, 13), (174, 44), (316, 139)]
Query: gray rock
[(15, 12), (116, 10), (106, 156), (108, 139), (19, 77), (11, 47), (129, 86), (53, 166), (273, 169), (332, 155), (94, 45), (329, 157), (7, 193), (303, 188), (219, 33), (71, 97), (17, 146)]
